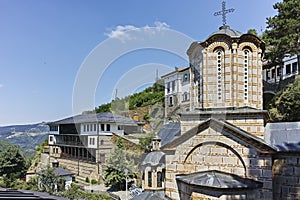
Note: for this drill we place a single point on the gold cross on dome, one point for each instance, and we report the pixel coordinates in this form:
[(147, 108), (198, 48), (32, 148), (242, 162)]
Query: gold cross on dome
[(223, 12)]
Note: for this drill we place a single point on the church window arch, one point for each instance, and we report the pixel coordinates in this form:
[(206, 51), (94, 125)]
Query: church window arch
[(247, 60), (219, 51)]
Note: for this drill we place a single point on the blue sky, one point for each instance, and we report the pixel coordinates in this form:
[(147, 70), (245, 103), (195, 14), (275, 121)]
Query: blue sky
[(46, 46)]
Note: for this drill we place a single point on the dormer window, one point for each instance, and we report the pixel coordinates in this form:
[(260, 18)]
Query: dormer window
[(185, 77)]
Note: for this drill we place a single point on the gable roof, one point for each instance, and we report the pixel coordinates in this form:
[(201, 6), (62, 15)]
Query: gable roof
[(105, 117), (212, 122)]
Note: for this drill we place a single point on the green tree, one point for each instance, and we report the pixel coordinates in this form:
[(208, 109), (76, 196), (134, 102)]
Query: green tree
[(285, 105), (12, 165), (145, 143), (114, 172), (48, 181), (283, 31), (253, 32)]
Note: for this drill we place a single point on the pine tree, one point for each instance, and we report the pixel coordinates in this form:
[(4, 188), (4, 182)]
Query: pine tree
[(114, 172), (12, 165), (283, 31)]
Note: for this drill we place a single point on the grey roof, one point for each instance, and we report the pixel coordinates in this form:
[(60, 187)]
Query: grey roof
[(234, 130), (154, 159), (151, 195), (61, 172), (226, 30), (105, 117), (284, 136), (169, 132), (218, 180), (26, 194)]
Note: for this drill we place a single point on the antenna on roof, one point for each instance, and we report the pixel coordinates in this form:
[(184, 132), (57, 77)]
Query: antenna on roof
[(116, 94), (223, 12)]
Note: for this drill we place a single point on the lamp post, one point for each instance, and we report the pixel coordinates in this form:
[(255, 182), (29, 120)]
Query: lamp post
[(126, 173)]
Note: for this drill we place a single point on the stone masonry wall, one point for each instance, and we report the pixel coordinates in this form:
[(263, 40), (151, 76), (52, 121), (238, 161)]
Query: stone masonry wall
[(286, 177), (227, 154)]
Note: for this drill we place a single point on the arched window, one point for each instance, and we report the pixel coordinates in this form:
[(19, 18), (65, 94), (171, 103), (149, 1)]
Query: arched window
[(159, 179), (149, 179), (247, 54), (170, 101), (220, 72)]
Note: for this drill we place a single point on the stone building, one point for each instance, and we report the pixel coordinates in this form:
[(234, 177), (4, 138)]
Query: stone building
[(221, 148), (83, 143)]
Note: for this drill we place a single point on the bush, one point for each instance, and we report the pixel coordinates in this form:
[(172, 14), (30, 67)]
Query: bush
[(94, 181), (87, 180)]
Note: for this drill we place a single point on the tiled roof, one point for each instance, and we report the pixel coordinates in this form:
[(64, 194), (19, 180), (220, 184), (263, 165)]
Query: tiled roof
[(105, 117), (218, 180), (284, 136)]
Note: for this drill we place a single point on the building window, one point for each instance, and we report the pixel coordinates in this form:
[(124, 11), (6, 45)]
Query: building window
[(185, 77), (107, 127), (95, 127), (53, 128), (294, 67), (168, 87), (88, 127), (56, 150), (288, 69), (92, 141), (102, 158), (185, 96), (101, 142), (273, 73), (149, 179), (278, 71), (102, 127), (84, 128), (159, 179), (51, 138), (53, 150), (170, 101), (246, 66), (173, 86), (220, 63)]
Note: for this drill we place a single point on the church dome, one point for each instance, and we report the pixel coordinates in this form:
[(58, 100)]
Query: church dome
[(226, 30)]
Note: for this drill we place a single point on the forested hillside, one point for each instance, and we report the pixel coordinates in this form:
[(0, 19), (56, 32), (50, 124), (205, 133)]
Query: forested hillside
[(150, 96)]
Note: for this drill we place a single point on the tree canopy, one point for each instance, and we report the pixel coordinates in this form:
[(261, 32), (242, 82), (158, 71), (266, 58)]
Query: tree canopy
[(283, 31), (12, 165), (114, 172), (285, 105)]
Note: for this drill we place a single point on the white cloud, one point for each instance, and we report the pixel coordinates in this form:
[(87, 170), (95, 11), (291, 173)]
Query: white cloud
[(123, 32)]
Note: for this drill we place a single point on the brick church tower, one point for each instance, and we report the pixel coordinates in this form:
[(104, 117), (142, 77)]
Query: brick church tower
[(226, 81)]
